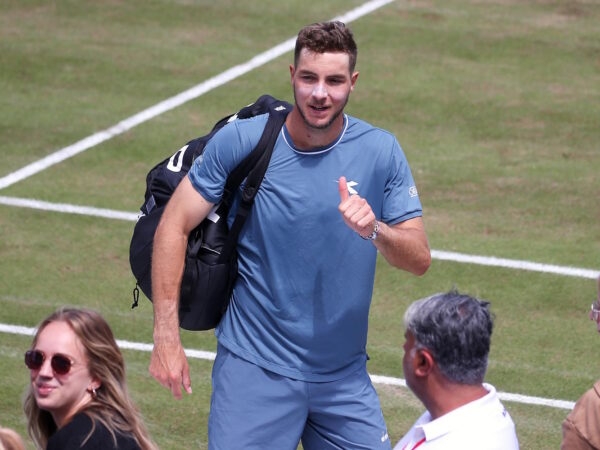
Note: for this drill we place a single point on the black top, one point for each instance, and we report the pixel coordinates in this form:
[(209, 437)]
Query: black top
[(74, 433)]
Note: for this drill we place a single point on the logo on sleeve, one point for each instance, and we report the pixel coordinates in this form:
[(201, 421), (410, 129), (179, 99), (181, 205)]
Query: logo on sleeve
[(412, 191)]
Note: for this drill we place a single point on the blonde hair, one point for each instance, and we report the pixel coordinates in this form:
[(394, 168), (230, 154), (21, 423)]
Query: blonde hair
[(112, 405), (10, 440)]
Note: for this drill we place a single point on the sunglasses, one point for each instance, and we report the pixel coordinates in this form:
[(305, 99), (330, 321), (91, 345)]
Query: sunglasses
[(61, 364)]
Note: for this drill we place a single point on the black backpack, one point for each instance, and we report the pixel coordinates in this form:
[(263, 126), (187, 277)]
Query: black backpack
[(211, 259)]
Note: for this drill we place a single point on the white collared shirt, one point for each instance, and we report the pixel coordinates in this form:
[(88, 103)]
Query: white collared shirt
[(483, 424)]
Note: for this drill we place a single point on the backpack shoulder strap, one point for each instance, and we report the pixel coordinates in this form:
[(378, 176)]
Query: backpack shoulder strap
[(254, 167), (278, 111)]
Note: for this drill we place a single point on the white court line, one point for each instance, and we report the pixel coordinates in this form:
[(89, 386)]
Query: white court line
[(67, 208), (435, 254), (377, 379), (515, 264), (173, 102)]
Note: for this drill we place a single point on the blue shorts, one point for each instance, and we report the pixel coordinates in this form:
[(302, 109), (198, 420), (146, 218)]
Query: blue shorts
[(254, 409)]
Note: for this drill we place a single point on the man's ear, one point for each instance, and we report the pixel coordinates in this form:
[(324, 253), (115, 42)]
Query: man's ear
[(353, 79), (423, 362)]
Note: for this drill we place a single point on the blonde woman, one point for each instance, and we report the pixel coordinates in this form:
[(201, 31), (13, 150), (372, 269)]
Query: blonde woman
[(78, 397)]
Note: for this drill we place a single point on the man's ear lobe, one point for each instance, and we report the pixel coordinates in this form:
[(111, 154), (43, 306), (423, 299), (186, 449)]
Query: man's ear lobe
[(423, 362), (353, 79)]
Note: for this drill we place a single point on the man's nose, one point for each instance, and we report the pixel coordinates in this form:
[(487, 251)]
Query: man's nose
[(319, 91)]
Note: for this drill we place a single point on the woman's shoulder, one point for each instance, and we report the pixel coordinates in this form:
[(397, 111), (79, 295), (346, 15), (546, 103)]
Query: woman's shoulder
[(79, 425), (74, 434)]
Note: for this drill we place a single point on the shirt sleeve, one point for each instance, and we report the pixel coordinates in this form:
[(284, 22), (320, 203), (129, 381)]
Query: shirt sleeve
[(581, 428), (225, 150), (401, 198)]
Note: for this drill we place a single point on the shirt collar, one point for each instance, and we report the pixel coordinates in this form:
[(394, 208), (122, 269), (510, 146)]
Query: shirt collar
[(456, 418)]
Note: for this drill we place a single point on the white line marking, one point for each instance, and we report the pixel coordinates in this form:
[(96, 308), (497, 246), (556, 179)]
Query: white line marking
[(67, 208), (173, 102), (518, 398), (377, 379), (515, 264), (435, 254)]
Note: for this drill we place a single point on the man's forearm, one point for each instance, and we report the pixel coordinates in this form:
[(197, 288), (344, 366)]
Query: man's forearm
[(168, 258), (405, 247)]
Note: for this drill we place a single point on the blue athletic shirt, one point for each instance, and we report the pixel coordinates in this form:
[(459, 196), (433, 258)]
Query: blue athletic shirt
[(301, 301)]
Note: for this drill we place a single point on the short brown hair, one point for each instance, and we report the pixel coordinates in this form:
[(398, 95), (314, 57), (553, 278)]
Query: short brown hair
[(324, 37)]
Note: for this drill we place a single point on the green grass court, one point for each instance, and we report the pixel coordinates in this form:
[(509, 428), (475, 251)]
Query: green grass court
[(496, 104)]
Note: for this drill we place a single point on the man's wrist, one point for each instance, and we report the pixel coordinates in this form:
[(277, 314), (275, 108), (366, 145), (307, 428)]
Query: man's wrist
[(373, 235)]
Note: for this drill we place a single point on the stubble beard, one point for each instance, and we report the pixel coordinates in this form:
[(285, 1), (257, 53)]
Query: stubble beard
[(326, 125)]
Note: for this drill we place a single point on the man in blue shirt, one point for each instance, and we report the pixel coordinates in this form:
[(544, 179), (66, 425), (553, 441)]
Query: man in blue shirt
[(291, 357)]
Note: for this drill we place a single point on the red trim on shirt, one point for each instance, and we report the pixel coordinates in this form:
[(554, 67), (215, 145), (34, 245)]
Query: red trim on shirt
[(417, 444)]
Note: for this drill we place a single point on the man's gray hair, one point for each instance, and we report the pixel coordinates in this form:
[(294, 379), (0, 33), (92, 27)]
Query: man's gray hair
[(456, 329)]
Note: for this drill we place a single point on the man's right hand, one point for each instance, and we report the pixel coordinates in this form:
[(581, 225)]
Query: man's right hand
[(169, 366), (184, 211)]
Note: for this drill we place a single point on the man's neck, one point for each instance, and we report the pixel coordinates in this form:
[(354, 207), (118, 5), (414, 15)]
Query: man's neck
[(309, 138), (450, 396)]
